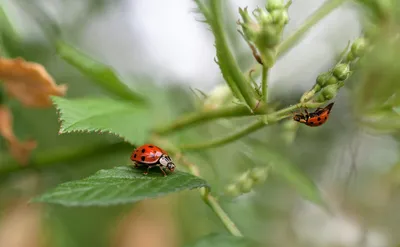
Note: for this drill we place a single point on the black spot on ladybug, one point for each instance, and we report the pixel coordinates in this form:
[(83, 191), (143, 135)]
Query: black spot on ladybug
[(151, 146), (325, 118), (143, 150), (319, 119), (311, 123), (143, 158), (134, 156)]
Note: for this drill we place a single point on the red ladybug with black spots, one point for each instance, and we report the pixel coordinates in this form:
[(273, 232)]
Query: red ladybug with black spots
[(316, 118), (150, 156)]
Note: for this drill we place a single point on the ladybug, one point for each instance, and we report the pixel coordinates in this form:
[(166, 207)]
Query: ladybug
[(316, 118), (150, 156)]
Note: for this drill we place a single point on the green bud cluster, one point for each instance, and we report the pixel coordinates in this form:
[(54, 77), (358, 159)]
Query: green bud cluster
[(328, 83), (245, 182), (265, 30)]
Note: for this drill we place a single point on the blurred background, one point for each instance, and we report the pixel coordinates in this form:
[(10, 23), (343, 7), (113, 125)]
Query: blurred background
[(353, 158)]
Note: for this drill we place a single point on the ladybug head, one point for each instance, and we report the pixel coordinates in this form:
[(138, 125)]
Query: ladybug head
[(166, 161), (299, 118)]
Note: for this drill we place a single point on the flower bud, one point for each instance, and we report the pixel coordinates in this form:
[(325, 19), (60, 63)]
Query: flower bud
[(275, 5), (341, 71), (246, 186), (309, 94), (323, 78), (265, 30), (259, 174), (245, 183), (232, 190), (327, 93), (359, 46), (350, 57), (280, 17), (331, 81), (269, 56)]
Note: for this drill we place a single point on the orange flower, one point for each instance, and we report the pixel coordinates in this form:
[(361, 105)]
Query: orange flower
[(31, 85)]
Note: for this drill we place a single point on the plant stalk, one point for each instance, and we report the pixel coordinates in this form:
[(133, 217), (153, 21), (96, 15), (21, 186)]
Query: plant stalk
[(229, 67), (227, 139), (319, 14), (273, 117), (264, 83), (206, 115), (212, 202)]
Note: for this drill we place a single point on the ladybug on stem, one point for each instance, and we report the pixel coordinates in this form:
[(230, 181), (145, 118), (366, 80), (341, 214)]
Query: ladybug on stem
[(316, 118), (151, 156)]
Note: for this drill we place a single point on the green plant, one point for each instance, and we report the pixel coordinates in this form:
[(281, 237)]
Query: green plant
[(138, 117)]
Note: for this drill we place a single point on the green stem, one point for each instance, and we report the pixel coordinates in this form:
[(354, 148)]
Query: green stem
[(214, 205), (231, 84), (264, 83), (229, 67), (323, 11), (224, 140), (206, 115), (192, 119), (272, 118), (61, 155)]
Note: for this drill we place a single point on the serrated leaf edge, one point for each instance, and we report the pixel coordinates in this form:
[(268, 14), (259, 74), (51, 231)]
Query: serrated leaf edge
[(62, 130), (42, 197)]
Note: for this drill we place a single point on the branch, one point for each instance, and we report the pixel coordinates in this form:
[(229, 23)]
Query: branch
[(264, 83), (192, 118), (271, 118), (224, 140), (226, 61), (212, 201), (319, 14), (207, 115)]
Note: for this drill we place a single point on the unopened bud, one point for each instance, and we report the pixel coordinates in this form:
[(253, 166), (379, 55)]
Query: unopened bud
[(275, 5), (232, 190), (280, 17), (332, 80), (245, 182), (359, 46), (259, 174), (327, 93), (341, 71), (323, 78), (350, 57)]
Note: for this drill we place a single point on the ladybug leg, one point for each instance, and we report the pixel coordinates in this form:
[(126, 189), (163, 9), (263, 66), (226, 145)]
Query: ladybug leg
[(136, 165), (163, 171), (148, 168)]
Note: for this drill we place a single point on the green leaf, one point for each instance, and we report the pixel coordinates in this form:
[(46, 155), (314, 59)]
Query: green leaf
[(103, 75), (222, 240), (120, 185), (127, 120)]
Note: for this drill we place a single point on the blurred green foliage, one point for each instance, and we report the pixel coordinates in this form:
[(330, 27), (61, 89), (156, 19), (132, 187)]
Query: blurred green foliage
[(300, 156)]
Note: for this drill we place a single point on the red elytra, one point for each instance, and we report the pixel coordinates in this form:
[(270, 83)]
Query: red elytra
[(151, 156), (316, 118)]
